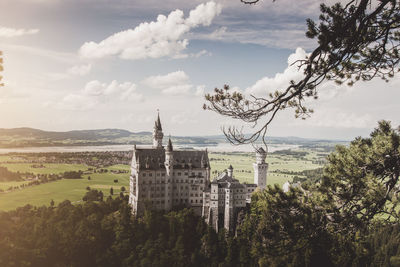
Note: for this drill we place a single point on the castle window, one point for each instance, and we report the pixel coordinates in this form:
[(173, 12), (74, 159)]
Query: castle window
[(201, 201), (191, 201), (150, 174), (179, 174), (196, 200), (186, 173)]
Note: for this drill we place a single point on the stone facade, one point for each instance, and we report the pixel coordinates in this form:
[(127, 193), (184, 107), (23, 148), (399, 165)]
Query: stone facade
[(224, 198), (164, 178)]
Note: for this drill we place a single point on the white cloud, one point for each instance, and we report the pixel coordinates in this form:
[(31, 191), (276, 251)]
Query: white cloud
[(334, 118), (201, 53), (11, 32), (95, 93), (177, 90), (326, 91), (80, 70), (174, 83), (268, 85), (161, 38), (200, 90), (170, 79), (288, 37), (125, 91), (76, 102)]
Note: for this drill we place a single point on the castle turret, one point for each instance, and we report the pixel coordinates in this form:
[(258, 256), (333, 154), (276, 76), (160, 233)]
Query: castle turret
[(260, 168), (157, 133), (169, 168), (169, 158), (230, 171)]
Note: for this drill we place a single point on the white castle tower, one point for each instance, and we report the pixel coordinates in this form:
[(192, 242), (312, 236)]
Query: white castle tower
[(157, 133), (260, 168)]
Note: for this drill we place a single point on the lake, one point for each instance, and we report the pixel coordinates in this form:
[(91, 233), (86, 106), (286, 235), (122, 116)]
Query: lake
[(221, 147)]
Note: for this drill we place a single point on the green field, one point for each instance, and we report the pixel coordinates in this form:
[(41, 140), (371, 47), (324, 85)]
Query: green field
[(49, 168), (243, 166), (71, 189), (74, 189)]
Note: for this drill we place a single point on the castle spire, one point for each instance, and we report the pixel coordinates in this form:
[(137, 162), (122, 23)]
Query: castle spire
[(158, 122), (169, 147), (157, 133)]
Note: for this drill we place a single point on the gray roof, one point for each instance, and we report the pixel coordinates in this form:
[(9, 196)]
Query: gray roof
[(153, 158), (158, 123), (260, 150)]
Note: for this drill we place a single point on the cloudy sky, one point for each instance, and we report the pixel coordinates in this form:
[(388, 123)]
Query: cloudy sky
[(91, 64)]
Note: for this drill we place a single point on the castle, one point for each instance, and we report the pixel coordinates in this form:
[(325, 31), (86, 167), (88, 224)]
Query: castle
[(164, 178)]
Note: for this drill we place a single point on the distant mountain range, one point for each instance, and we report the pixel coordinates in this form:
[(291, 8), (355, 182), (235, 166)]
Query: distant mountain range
[(29, 137)]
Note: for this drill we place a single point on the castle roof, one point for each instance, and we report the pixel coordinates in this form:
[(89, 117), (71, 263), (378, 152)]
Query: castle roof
[(158, 123), (169, 147), (225, 181), (153, 159), (260, 150)]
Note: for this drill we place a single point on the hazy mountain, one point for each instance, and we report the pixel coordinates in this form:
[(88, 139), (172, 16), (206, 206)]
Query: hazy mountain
[(29, 137)]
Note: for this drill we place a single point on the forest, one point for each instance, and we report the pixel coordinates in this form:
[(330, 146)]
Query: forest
[(349, 217)]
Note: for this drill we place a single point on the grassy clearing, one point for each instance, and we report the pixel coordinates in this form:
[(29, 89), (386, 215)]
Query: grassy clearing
[(243, 166), (71, 189), (49, 168), (6, 185)]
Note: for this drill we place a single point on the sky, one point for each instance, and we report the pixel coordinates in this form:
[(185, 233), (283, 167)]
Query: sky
[(95, 64)]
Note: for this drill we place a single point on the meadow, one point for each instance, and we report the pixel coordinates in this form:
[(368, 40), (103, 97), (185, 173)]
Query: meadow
[(74, 189)]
